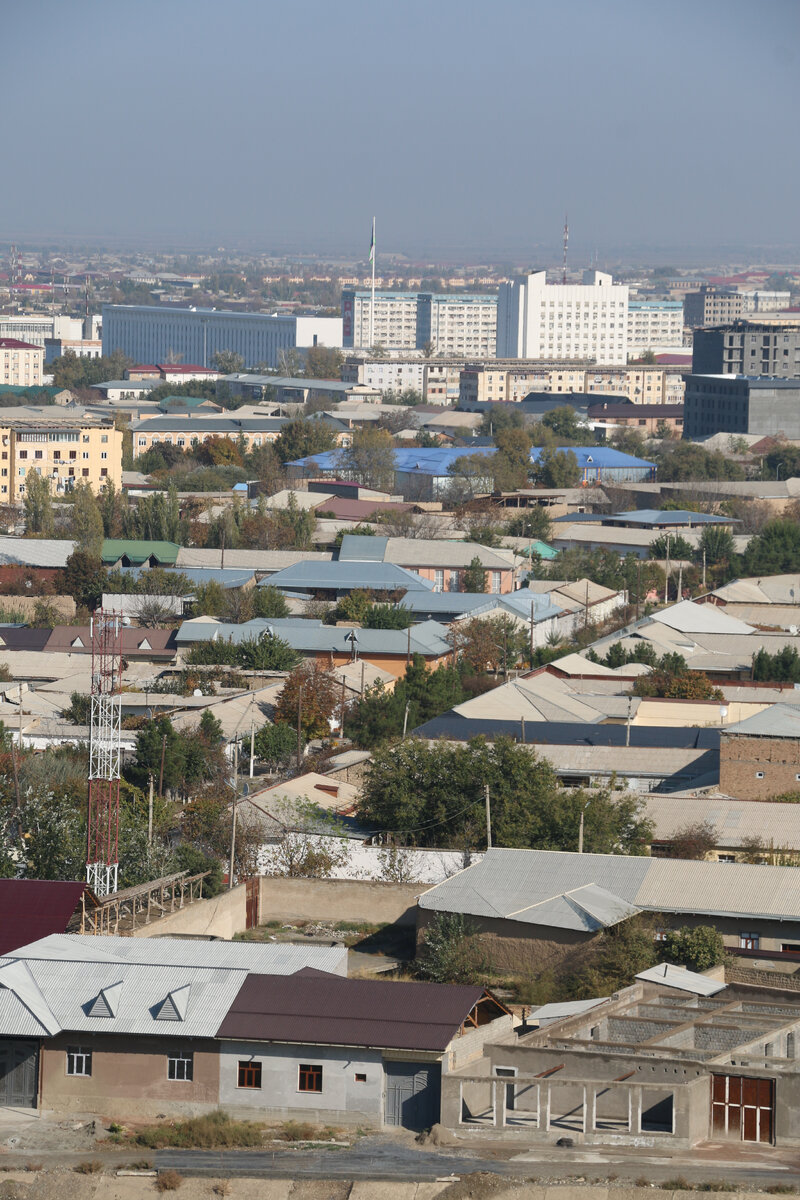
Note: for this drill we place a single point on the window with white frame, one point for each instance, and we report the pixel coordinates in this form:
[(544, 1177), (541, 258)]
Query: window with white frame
[(79, 1060), (180, 1065)]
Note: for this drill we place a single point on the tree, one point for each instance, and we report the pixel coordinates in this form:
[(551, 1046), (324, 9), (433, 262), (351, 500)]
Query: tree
[(420, 695), (566, 425), (781, 667), (369, 459), (311, 843), (557, 469), (474, 578), (694, 840), (433, 795), (533, 523), (153, 613), (698, 949), (227, 362), (38, 505), (470, 473), (489, 643), (46, 615), (275, 744), (451, 951), (323, 362), (512, 463), (774, 551), (270, 603), (388, 616), (87, 521), (687, 460), (717, 545), (672, 546), (311, 694), (671, 679), (84, 578), (301, 438), (621, 952)]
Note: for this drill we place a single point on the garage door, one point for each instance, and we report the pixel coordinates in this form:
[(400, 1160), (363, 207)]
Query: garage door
[(19, 1074), (742, 1108), (412, 1094)]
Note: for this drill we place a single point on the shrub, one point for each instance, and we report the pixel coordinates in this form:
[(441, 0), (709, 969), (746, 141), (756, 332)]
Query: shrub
[(297, 1131), (698, 949), (209, 1132), (168, 1181), (90, 1167)]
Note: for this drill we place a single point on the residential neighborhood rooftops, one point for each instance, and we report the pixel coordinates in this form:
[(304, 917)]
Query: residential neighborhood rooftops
[(347, 576), (349, 1012), (543, 887)]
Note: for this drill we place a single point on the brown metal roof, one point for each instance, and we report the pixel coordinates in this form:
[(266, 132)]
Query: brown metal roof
[(33, 908), (136, 642), (314, 1007)]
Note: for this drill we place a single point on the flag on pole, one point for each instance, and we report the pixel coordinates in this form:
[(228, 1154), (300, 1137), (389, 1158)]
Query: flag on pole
[(372, 244)]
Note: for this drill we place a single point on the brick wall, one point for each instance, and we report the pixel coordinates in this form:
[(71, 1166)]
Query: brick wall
[(742, 759)]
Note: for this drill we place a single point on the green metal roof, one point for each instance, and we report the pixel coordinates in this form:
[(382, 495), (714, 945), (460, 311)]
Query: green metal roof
[(138, 552), (540, 548)]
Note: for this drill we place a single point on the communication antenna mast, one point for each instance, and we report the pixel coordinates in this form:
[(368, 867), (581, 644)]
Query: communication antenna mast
[(102, 838), (566, 244)]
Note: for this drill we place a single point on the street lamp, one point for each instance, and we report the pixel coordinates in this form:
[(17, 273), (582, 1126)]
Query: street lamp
[(584, 806)]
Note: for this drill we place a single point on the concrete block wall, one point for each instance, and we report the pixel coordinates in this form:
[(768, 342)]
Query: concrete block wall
[(223, 916), (285, 899), (742, 759)]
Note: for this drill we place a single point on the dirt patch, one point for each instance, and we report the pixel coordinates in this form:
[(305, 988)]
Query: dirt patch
[(320, 1189), (482, 1185)]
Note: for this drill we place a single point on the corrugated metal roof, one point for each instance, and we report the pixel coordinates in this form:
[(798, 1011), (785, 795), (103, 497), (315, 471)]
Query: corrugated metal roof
[(33, 908), (654, 517), (309, 636), (138, 550), (507, 882), (363, 549), (35, 552), (348, 576), (779, 721), (565, 1008), (455, 727), (677, 977), (688, 617), (325, 1010), (57, 979), (267, 561), (735, 821)]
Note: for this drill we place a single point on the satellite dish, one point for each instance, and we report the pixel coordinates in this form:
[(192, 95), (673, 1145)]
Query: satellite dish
[(197, 692)]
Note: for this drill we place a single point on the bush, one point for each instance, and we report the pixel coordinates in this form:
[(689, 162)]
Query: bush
[(210, 1132), (451, 952), (168, 1181), (297, 1131), (90, 1167), (698, 949)]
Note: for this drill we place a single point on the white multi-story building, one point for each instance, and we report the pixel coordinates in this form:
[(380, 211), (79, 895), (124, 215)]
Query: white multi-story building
[(393, 325), (563, 321), (20, 363), (761, 301), (386, 374), (654, 323), (451, 325), (37, 327), (443, 323)]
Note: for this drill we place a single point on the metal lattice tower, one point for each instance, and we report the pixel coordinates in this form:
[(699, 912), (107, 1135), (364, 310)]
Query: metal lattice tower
[(102, 840)]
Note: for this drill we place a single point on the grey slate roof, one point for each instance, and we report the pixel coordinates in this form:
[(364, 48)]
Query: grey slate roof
[(157, 986), (543, 887), (224, 426), (310, 636), (35, 552)]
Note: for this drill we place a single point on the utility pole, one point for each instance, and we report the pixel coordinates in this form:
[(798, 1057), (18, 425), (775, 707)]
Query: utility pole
[(488, 818), (252, 746), (150, 812), (680, 582), (532, 606), (233, 815), (666, 574), (408, 648), (638, 587), (299, 726), (341, 726), (405, 721), (161, 772), (580, 832), (704, 569), (628, 722), (505, 654)]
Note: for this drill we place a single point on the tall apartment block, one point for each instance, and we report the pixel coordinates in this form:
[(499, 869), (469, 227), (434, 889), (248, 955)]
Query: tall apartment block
[(20, 363), (728, 404), (563, 321), (194, 335), (452, 324), (654, 324), (758, 347), (66, 449)]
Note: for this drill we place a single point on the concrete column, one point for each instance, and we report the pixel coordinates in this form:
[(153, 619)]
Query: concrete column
[(584, 1111), (592, 1110), (638, 1111), (547, 1107)]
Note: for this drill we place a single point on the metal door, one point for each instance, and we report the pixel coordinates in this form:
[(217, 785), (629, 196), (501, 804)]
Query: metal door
[(19, 1074), (412, 1094), (742, 1108), (252, 897)]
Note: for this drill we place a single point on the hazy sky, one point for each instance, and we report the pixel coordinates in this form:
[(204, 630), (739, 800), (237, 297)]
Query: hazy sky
[(469, 128)]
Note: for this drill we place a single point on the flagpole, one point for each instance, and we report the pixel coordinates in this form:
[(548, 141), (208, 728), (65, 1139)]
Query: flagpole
[(372, 302)]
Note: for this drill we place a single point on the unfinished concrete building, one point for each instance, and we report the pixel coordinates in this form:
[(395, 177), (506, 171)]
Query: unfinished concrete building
[(673, 1060)]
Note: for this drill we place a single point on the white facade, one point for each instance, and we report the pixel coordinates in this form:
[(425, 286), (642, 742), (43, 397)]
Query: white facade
[(387, 374), (459, 324), (20, 363), (654, 323), (395, 321), (762, 301), (563, 321), (36, 327)]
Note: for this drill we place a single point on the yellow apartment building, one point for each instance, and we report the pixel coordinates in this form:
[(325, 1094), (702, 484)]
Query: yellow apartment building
[(65, 450), (20, 363)]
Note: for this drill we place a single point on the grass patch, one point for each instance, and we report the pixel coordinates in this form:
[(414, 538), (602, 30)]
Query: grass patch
[(716, 1185), (642, 1181), (202, 1133), (139, 1164), (678, 1184), (92, 1166), (168, 1181), (297, 1131), (781, 1189)]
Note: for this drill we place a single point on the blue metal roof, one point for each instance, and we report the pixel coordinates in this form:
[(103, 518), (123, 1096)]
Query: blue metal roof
[(440, 460), (357, 548), (228, 577), (312, 637), (665, 516)]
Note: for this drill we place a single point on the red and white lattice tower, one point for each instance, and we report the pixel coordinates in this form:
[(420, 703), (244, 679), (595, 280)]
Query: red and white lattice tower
[(102, 843)]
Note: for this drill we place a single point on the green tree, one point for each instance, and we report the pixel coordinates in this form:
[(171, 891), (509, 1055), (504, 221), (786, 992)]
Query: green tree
[(388, 616), (87, 521), (533, 523), (474, 578), (622, 952), (566, 425), (671, 545), (275, 744), (313, 694), (718, 546), (557, 469), (270, 603), (301, 438), (451, 951), (38, 505), (84, 578), (420, 695), (774, 551), (679, 461), (698, 949)]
